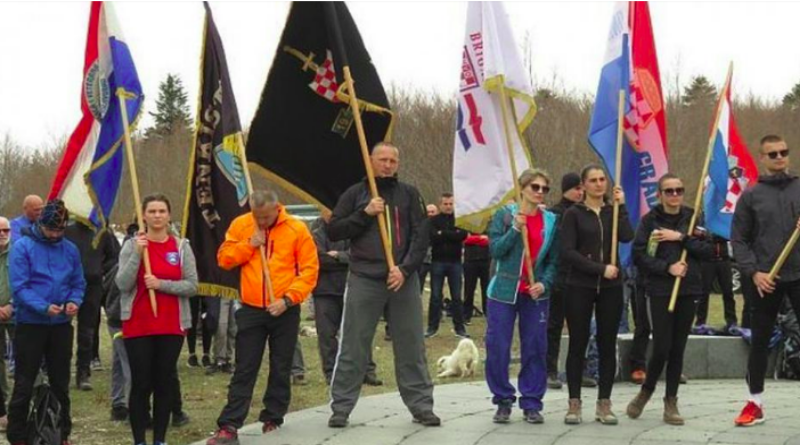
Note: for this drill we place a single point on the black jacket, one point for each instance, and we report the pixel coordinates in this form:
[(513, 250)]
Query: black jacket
[(719, 248), (763, 222), (655, 268), (95, 261), (408, 231), (447, 240), (563, 267), (332, 271), (586, 244)]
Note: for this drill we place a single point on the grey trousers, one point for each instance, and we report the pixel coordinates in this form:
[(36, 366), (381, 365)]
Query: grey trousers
[(329, 309), (120, 370), (225, 337), (364, 302), (298, 362)]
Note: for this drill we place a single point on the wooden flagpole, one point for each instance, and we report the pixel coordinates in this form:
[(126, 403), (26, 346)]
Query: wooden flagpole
[(787, 249), (373, 187), (514, 177), (617, 177), (137, 200), (261, 249), (698, 200)]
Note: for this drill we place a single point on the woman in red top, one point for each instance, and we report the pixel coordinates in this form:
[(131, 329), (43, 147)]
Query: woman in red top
[(153, 342)]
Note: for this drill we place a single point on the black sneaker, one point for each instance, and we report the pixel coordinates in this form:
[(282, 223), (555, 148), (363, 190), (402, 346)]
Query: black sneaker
[(119, 414), (180, 419), (503, 414), (467, 322), (193, 363), (461, 333), (430, 333), (372, 380), (206, 361), (338, 420), (226, 367), (533, 416), (82, 381), (427, 418)]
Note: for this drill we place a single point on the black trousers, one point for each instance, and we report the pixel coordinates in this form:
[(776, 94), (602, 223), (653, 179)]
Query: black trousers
[(423, 272), (641, 333), (475, 271), (670, 334), (606, 305), (32, 343), (717, 271), (328, 310), (555, 328), (153, 362), (257, 328), (88, 319), (763, 316), (749, 294), (197, 305)]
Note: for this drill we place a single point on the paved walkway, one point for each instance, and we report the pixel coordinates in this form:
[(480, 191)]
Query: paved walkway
[(709, 407)]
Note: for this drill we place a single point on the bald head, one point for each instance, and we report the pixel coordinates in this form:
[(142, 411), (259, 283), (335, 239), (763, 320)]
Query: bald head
[(32, 207), (431, 210), (5, 232)]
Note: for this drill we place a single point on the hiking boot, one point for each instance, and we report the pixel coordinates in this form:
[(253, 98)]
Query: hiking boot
[(603, 413), (638, 403), (427, 418), (193, 363), (119, 414), (226, 435), (752, 414), (299, 380), (206, 361), (338, 420), (573, 416), (671, 414), (533, 416), (503, 413), (638, 376), (82, 381), (180, 419), (372, 380), (553, 382), (588, 382)]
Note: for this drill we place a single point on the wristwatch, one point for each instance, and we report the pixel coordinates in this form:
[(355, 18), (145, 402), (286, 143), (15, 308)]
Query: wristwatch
[(288, 301)]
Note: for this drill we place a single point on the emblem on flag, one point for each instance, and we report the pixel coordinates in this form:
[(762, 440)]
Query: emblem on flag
[(324, 82)]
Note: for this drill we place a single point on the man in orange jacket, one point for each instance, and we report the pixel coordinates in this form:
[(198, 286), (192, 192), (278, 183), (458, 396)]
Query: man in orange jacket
[(270, 309)]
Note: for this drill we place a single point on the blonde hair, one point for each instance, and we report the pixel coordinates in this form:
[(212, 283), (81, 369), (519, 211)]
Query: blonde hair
[(532, 174)]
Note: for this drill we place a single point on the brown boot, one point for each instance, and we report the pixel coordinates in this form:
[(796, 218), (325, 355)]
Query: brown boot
[(638, 403), (573, 416), (603, 414), (671, 414)]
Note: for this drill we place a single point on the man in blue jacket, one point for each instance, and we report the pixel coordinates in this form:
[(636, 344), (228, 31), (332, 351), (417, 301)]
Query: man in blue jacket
[(47, 285)]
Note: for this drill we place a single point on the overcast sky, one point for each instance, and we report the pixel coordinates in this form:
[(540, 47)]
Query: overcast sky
[(412, 44)]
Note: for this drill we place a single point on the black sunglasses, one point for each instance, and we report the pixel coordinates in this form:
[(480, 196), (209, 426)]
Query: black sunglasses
[(539, 188), (782, 153), (677, 191), (5, 230)]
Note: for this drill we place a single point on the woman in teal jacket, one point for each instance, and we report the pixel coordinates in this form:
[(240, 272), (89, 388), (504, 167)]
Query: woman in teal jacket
[(511, 295)]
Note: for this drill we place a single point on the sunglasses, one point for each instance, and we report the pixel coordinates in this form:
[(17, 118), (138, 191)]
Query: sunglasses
[(782, 153), (677, 191), (5, 230), (536, 188)]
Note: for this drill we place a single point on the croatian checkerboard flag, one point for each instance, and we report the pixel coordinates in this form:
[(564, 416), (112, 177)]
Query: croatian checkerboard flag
[(731, 170), (89, 174), (482, 179)]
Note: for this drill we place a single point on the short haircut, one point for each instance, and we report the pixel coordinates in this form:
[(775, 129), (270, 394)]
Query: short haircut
[(771, 138), (447, 195), (156, 197), (384, 144), (261, 198), (665, 178), (531, 175)]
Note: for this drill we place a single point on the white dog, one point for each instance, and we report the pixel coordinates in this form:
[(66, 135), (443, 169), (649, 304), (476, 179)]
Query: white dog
[(462, 362)]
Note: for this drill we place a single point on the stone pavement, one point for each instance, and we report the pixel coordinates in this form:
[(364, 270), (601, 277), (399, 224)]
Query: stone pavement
[(709, 407)]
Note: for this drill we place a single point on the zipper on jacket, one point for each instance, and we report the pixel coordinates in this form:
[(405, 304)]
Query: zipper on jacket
[(264, 296)]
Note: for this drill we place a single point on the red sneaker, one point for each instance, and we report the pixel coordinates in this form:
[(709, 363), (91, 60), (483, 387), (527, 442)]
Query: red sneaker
[(224, 436), (638, 377), (752, 414)]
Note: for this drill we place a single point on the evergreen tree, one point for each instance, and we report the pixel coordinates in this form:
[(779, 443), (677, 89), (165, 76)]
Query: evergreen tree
[(699, 92), (172, 108), (792, 99)]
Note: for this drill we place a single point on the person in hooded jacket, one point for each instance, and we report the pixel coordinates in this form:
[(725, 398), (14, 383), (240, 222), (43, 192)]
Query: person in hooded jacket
[(594, 286), (47, 286), (661, 238)]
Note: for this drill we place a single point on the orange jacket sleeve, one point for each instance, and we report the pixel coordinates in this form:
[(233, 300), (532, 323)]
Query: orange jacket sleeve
[(307, 265), (236, 249)]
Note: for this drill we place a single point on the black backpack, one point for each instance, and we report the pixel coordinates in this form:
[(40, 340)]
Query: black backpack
[(45, 419)]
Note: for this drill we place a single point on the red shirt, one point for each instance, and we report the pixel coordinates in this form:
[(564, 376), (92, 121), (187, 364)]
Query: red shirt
[(535, 227), (165, 262)]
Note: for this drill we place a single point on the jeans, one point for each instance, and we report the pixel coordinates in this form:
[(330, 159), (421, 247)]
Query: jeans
[(453, 272)]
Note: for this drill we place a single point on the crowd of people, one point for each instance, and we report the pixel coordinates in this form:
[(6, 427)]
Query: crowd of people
[(537, 266)]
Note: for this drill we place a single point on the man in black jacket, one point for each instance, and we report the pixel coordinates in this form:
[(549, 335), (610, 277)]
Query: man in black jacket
[(97, 260), (765, 217), (371, 284), (334, 258), (718, 268), (447, 242)]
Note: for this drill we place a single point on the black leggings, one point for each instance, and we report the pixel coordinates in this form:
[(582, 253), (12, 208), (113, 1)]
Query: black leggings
[(197, 305), (670, 333), (153, 361), (580, 303)]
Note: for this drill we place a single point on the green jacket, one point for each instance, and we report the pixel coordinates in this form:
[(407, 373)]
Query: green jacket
[(5, 289)]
